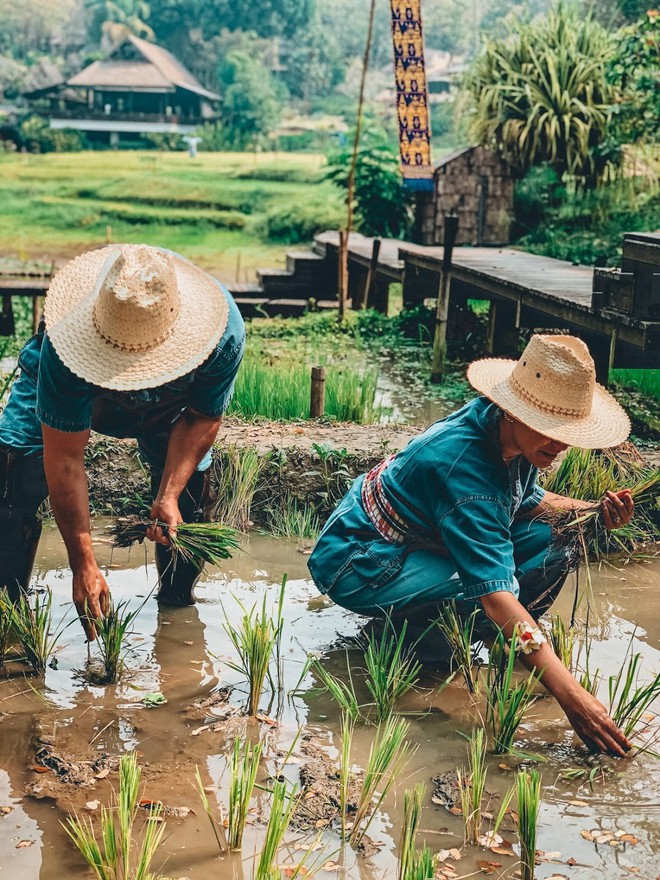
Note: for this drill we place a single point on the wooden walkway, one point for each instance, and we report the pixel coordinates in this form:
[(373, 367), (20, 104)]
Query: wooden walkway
[(525, 290)]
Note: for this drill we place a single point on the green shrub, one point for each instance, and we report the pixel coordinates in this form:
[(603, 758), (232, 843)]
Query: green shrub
[(38, 137), (299, 222)]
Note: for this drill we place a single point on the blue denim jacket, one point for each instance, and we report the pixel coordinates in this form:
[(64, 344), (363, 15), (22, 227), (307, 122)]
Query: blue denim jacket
[(47, 392), (450, 480)]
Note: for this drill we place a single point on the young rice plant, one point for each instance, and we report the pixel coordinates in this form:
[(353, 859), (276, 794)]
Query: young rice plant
[(471, 785), (506, 701), (528, 788), (112, 631), (459, 635), (413, 799), (116, 855), (5, 625), (33, 627), (283, 803), (392, 669)]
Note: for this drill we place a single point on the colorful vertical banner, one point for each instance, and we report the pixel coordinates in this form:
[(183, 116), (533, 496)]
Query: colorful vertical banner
[(411, 94)]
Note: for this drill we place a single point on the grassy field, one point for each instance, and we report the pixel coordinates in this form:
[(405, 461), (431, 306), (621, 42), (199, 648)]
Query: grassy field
[(214, 209)]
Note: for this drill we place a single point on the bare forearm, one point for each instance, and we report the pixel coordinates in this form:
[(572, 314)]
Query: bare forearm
[(69, 498), (191, 438)]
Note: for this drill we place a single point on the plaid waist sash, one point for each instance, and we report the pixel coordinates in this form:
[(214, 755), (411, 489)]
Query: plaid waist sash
[(389, 524)]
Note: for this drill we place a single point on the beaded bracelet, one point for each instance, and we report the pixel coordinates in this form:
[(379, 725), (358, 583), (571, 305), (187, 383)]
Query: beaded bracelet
[(528, 638)]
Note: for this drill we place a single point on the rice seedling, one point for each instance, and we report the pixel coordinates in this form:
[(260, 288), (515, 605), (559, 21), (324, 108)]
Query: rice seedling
[(237, 474), (388, 754), (506, 701), (217, 827), (283, 804), (112, 630), (392, 669), (421, 865), (342, 692), (347, 731), (5, 625), (588, 474), (243, 769), (629, 702), (290, 520), (471, 785), (194, 542), (562, 639), (412, 813), (34, 629), (255, 640), (459, 635), (528, 788), (116, 856)]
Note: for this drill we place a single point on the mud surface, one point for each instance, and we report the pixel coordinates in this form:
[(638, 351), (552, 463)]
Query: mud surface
[(61, 737)]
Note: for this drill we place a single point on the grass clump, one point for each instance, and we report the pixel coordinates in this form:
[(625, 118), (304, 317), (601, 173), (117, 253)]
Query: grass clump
[(506, 700), (194, 542), (291, 520), (459, 635), (392, 669), (528, 788), (116, 856), (256, 641), (389, 753), (237, 473)]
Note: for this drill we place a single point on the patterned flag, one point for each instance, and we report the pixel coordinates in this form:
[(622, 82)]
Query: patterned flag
[(411, 95)]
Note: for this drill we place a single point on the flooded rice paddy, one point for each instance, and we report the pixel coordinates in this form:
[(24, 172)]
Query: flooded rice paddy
[(184, 654)]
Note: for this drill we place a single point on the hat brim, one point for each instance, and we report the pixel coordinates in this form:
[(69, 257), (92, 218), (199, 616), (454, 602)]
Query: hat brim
[(68, 312), (606, 425)]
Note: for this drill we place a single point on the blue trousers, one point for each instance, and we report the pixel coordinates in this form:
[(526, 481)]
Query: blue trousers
[(426, 579)]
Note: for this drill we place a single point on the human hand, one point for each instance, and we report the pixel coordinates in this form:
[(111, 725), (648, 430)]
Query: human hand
[(91, 597), (590, 720), (167, 512), (617, 509)]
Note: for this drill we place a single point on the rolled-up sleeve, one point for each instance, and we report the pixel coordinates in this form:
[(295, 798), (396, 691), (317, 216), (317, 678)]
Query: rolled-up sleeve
[(476, 535), (64, 400), (212, 387)]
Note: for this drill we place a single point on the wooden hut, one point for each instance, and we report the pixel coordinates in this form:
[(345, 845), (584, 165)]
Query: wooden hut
[(140, 88)]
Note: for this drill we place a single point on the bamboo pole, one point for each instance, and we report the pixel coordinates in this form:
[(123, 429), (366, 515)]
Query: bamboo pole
[(343, 242), (442, 308)]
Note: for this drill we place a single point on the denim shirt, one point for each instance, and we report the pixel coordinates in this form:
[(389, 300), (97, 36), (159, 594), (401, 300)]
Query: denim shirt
[(47, 392), (450, 481)]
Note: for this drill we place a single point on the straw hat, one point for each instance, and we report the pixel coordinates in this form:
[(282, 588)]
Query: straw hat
[(129, 316), (553, 390)]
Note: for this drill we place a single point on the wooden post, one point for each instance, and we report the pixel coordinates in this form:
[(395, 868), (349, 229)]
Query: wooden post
[(36, 313), (442, 309), (317, 397), (371, 277), (342, 274)]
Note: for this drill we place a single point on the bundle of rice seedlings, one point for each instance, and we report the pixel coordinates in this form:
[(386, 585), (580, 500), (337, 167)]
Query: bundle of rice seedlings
[(528, 787), (389, 753), (392, 669), (421, 866), (588, 475), (116, 854), (194, 542), (33, 627), (506, 701), (237, 473), (471, 785), (459, 635)]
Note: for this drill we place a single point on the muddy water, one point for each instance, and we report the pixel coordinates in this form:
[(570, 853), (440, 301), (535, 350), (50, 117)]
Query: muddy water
[(185, 655)]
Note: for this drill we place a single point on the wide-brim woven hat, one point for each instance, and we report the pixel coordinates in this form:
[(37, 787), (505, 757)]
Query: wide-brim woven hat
[(127, 317), (553, 390)]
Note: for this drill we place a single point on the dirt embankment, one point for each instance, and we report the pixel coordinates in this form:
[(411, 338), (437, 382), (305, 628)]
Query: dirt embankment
[(303, 460)]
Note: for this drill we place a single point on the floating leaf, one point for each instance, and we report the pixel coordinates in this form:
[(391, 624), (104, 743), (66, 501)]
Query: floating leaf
[(22, 844)]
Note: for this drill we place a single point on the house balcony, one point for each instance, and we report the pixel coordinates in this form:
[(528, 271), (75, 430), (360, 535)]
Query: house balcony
[(84, 119)]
